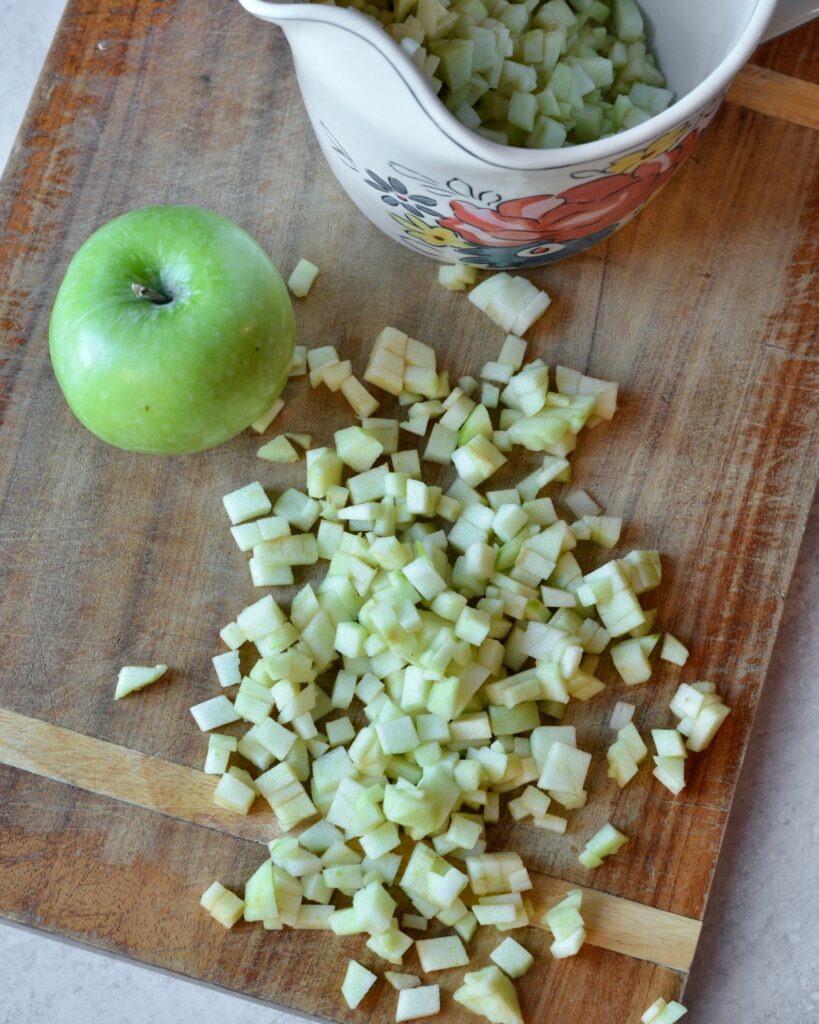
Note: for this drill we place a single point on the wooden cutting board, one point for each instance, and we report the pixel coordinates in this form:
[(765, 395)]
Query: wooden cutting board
[(704, 309)]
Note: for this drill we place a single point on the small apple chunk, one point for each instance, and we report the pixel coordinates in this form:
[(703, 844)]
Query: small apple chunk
[(357, 983), (135, 677)]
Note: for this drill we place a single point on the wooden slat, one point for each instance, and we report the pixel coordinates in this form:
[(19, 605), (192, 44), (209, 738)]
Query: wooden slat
[(108, 769), (624, 926), (795, 53), (154, 784), (94, 875), (777, 95)]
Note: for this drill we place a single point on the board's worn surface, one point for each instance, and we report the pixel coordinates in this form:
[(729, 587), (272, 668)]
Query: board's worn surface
[(704, 309)]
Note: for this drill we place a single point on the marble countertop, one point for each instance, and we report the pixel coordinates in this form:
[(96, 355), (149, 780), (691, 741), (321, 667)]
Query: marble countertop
[(759, 951)]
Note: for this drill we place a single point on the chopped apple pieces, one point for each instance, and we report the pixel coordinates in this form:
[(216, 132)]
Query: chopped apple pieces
[(278, 450), (514, 303), (417, 1002), (457, 277), (400, 982), (222, 904), (361, 401), (566, 925), (625, 754), (404, 692), (491, 994), (670, 759), (357, 983), (512, 958), (136, 677), (220, 747), (261, 424), (662, 1012), (441, 954), (246, 503), (234, 794), (214, 713), (301, 279), (602, 844), (673, 651), (701, 713)]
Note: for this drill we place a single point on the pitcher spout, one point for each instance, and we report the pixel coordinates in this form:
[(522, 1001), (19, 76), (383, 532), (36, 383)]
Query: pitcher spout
[(352, 71)]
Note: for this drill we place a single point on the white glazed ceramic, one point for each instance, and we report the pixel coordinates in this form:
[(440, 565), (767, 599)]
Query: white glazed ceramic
[(433, 185)]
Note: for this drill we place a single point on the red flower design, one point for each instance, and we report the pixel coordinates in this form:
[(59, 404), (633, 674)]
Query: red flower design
[(580, 211)]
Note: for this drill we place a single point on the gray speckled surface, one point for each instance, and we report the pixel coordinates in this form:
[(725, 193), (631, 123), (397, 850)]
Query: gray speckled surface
[(759, 952)]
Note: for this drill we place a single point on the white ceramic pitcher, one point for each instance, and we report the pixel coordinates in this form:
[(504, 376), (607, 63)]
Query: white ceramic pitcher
[(432, 184)]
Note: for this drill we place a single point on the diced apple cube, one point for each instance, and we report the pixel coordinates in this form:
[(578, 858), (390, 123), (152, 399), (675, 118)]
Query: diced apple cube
[(358, 448), (401, 982), (246, 503), (227, 668), (357, 983), (490, 993), (564, 769), (441, 954), (673, 651), (706, 725), (220, 747), (662, 1012), (457, 277), (214, 713), (602, 844), (302, 277), (233, 794), (278, 450), (417, 1002), (477, 460), (136, 677), (362, 402), (261, 424), (222, 904), (512, 958)]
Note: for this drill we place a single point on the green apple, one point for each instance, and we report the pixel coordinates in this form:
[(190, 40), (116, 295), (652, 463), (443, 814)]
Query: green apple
[(171, 331)]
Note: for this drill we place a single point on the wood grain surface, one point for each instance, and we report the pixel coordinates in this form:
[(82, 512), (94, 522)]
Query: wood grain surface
[(704, 309), (185, 794)]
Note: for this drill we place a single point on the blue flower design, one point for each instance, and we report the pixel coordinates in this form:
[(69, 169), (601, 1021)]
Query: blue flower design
[(395, 193)]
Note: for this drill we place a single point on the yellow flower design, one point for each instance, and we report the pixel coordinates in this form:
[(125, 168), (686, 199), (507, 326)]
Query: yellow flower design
[(432, 234), (626, 164)]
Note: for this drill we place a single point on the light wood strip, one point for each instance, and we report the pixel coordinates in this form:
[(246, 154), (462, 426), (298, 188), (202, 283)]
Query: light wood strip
[(150, 782), (777, 95), (108, 769), (624, 926)]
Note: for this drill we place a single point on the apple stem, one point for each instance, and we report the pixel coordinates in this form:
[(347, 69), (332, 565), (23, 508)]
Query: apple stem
[(142, 292)]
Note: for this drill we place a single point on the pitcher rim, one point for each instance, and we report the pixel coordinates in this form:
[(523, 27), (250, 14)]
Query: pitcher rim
[(515, 158)]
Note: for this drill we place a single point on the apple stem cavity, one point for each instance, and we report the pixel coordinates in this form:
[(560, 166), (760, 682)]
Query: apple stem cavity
[(143, 292)]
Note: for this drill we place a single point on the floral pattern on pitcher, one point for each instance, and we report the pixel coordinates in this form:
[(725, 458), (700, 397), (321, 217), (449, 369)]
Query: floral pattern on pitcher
[(484, 229)]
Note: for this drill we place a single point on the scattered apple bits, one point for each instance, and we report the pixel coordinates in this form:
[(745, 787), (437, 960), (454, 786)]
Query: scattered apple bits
[(540, 75), (489, 993), (301, 280), (417, 1002), (222, 904), (512, 958), (135, 677), (357, 983), (566, 925), (457, 277), (428, 671), (601, 845), (278, 450), (513, 303), (261, 424), (662, 1012)]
